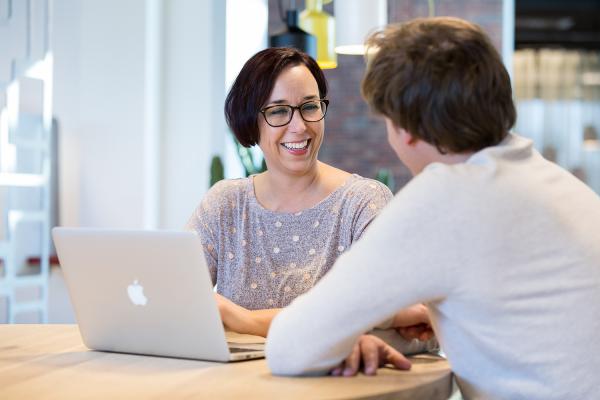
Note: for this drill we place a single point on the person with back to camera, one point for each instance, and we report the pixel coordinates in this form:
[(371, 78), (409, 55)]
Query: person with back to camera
[(503, 245), (270, 237)]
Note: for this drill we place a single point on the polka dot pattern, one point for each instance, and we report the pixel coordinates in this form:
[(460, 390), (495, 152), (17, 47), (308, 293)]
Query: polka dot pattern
[(265, 259)]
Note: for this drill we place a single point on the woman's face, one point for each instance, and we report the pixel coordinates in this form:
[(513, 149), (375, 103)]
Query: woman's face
[(292, 149)]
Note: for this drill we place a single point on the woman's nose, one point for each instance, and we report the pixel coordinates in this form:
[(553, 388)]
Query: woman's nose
[(297, 124)]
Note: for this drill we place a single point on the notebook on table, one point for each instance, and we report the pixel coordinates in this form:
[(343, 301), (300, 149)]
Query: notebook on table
[(145, 292)]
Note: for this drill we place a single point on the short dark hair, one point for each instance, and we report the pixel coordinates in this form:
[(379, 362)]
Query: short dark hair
[(442, 80), (254, 84)]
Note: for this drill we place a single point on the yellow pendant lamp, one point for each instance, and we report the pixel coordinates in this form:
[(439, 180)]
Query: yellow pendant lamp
[(320, 24)]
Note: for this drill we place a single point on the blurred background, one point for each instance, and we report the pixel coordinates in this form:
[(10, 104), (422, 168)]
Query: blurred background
[(111, 112)]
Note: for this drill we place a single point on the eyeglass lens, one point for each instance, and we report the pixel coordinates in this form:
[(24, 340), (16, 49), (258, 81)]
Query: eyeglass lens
[(311, 111)]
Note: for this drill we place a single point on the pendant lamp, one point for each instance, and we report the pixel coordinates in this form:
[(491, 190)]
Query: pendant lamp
[(320, 24), (355, 20), (295, 37)]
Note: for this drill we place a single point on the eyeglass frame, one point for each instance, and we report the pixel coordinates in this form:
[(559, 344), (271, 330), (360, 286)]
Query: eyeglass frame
[(294, 108)]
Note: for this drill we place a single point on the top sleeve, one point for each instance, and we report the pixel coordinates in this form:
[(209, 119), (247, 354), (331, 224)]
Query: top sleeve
[(372, 197), (399, 261), (204, 222)]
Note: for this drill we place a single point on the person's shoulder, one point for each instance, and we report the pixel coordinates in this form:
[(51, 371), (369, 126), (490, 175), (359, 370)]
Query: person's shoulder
[(457, 184), (224, 193), (366, 187), (228, 188)]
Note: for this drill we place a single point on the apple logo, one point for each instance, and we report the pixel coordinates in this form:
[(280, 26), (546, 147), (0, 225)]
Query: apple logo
[(135, 291)]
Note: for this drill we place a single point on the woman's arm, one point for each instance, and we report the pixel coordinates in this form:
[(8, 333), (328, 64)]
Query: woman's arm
[(411, 322), (204, 222), (242, 320)]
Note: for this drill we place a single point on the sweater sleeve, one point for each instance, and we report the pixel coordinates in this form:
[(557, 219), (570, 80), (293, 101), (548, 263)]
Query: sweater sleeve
[(205, 223), (372, 197), (397, 263)]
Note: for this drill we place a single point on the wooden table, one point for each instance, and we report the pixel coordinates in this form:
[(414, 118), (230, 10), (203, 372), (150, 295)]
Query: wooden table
[(51, 362)]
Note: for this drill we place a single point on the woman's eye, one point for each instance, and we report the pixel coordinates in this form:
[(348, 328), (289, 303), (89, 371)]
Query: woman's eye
[(278, 111), (312, 107)]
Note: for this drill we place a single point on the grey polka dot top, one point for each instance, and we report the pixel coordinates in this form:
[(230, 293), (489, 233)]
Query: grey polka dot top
[(264, 259)]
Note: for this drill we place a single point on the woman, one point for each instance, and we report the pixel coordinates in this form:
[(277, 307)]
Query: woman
[(270, 237)]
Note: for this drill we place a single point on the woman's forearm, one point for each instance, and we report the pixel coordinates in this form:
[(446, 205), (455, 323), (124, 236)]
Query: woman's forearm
[(242, 320), (260, 321)]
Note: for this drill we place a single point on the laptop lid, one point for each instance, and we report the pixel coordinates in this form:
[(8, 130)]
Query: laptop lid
[(144, 292)]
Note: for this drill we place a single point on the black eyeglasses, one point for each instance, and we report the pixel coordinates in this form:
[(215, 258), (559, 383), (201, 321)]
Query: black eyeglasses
[(282, 114)]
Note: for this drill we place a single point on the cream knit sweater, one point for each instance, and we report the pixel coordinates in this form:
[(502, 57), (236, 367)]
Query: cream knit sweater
[(505, 248)]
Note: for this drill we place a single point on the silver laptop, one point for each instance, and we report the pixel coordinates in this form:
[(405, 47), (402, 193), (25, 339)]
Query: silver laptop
[(145, 292)]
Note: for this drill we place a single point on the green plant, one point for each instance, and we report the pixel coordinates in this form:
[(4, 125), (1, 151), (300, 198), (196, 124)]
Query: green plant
[(216, 170), (386, 177), (247, 160)]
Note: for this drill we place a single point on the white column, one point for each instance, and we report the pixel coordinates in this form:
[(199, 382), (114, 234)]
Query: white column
[(153, 107), (508, 34), (193, 96), (246, 34)]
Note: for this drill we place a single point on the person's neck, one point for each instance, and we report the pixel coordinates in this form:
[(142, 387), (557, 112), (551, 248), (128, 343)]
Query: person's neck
[(449, 158), (454, 158), (289, 193)]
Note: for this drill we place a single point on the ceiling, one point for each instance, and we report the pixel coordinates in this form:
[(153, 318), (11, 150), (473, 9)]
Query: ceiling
[(573, 24)]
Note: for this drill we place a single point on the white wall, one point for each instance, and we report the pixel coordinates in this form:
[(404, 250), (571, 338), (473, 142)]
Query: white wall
[(100, 86), (194, 92)]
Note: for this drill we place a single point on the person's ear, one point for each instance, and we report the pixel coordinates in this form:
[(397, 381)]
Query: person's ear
[(407, 137)]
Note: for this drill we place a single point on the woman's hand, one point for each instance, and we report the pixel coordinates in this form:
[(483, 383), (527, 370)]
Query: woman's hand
[(234, 317), (372, 353), (413, 323), (239, 319)]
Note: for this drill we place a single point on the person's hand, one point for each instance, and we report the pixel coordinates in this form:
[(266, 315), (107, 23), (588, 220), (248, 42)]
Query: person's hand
[(234, 317), (241, 320), (372, 353), (413, 323)]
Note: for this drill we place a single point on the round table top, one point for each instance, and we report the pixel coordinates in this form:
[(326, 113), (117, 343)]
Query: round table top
[(50, 361)]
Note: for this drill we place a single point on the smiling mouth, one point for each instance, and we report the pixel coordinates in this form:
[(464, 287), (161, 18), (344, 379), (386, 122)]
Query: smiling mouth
[(303, 145)]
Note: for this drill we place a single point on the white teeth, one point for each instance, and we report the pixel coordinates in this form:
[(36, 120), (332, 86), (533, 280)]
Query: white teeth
[(295, 145)]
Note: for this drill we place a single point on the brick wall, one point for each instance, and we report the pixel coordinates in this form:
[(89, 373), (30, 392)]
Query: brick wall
[(356, 140)]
